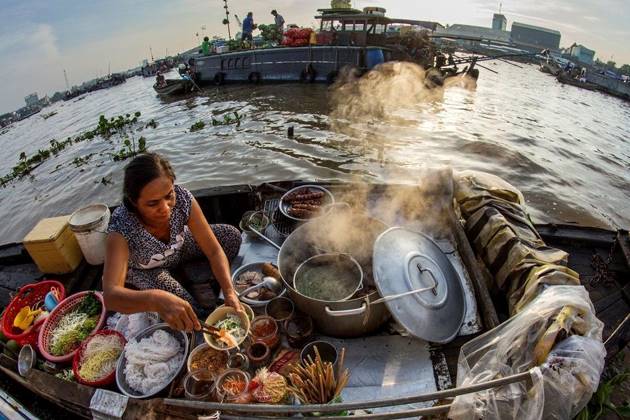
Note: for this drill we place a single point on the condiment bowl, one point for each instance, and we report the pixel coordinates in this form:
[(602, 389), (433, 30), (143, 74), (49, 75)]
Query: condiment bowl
[(201, 348)]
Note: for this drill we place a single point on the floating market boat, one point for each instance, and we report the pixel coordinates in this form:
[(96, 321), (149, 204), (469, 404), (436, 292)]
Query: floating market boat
[(173, 87), (347, 38), (390, 370)]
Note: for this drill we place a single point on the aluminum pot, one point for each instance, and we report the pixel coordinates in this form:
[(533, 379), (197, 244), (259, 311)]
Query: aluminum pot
[(340, 231)]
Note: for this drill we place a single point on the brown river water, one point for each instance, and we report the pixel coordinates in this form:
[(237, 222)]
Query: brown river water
[(566, 149)]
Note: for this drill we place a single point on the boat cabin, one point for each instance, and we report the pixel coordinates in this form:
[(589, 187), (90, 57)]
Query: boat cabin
[(367, 27)]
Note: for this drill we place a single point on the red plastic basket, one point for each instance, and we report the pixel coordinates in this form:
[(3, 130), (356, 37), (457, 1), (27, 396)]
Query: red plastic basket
[(78, 360), (30, 295), (65, 306)]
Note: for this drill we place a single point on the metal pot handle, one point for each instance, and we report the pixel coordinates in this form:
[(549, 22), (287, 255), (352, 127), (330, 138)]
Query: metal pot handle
[(346, 312)]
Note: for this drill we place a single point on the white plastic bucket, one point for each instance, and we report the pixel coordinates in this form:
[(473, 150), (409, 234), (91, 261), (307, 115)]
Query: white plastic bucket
[(89, 225)]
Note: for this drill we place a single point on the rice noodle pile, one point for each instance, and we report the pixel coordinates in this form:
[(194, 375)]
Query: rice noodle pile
[(99, 357), (152, 361)]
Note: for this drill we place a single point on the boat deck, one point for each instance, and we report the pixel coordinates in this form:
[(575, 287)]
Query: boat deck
[(607, 277)]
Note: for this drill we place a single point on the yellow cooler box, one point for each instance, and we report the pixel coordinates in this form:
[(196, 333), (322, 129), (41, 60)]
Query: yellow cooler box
[(53, 247)]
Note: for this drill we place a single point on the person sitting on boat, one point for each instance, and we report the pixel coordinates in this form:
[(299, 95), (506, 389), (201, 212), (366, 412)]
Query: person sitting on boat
[(205, 46), (159, 227), (160, 80), (248, 27), (279, 21)]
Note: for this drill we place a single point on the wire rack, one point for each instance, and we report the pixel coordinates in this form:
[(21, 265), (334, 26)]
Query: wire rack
[(281, 226)]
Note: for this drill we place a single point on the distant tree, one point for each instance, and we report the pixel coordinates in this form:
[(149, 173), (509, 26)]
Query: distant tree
[(625, 69), (611, 64)]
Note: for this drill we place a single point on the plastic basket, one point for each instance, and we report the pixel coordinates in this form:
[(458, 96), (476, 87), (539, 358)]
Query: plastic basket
[(78, 360), (65, 306), (30, 295)]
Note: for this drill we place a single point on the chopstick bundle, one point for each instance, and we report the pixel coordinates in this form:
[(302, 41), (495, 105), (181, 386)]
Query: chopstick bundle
[(314, 382)]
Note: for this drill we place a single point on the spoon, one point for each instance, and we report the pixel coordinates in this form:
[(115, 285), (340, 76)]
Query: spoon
[(268, 282)]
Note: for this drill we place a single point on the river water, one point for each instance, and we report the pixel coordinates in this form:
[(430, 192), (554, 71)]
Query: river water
[(566, 149)]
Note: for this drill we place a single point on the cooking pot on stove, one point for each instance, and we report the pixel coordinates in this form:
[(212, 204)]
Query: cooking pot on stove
[(340, 231)]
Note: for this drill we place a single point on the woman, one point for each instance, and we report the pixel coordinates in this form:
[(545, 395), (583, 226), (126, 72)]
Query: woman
[(158, 226)]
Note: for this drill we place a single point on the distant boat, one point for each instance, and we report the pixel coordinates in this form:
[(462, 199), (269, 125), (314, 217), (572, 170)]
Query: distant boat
[(567, 80), (173, 87)]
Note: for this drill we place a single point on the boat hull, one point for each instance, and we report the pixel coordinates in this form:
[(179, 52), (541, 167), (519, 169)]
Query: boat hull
[(283, 64), (173, 87)]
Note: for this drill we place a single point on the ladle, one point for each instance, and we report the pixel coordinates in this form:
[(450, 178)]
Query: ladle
[(268, 282)]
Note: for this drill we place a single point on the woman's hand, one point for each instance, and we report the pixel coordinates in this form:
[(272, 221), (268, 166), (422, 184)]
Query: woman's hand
[(176, 311), (231, 299)]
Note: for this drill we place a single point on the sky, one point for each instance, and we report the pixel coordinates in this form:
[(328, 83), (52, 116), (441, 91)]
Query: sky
[(41, 38)]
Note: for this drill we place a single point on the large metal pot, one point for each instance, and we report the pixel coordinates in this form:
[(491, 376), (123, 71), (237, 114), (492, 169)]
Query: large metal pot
[(340, 231)]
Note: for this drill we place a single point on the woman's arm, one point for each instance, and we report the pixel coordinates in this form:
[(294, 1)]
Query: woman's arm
[(210, 246), (172, 309)]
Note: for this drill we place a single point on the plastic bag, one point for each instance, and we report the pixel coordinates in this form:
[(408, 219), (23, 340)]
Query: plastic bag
[(573, 367), (509, 349)]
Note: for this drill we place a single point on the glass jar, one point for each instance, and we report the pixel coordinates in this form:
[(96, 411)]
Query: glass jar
[(265, 329), (232, 385), (299, 330), (199, 384)]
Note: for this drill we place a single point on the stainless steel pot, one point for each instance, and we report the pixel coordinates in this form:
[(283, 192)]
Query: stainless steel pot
[(341, 231)]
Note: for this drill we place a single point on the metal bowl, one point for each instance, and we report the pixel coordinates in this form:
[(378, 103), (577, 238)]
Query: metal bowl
[(285, 206), (26, 360), (253, 267), (122, 361)]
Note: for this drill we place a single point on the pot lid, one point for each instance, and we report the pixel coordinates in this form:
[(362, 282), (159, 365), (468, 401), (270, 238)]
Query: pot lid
[(419, 285)]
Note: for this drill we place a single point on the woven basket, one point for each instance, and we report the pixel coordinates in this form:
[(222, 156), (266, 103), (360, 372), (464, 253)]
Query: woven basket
[(28, 295), (77, 361), (64, 307)]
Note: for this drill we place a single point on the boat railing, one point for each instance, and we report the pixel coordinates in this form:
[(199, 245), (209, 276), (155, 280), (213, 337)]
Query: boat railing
[(267, 409)]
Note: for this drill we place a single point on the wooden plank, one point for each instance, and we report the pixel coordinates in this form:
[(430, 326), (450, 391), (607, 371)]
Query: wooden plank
[(69, 395), (573, 233), (488, 311)]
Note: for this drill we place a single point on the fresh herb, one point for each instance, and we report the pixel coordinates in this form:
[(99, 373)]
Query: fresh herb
[(90, 305)]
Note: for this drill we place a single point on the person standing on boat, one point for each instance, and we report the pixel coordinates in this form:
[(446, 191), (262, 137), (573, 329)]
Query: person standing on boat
[(205, 46), (158, 227), (279, 21), (248, 28)]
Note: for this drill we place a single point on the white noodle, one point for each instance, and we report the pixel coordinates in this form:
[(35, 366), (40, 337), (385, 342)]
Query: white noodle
[(152, 361)]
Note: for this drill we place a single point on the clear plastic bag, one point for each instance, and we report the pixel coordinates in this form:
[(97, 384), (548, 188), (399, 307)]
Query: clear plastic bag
[(561, 386)]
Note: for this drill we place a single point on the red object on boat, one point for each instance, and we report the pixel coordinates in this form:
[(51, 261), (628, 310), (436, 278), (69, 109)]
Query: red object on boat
[(28, 295), (76, 361), (64, 307)]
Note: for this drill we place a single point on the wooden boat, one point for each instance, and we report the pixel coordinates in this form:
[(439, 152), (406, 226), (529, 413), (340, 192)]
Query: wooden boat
[(173, 87), (566, 80), (608, 285), (549, 66)]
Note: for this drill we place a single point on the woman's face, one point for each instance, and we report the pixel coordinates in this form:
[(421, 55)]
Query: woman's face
[(156, 201)]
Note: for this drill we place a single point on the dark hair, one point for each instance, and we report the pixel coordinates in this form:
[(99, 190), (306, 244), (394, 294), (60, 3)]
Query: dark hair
[(273, 12), (205, 38), (139, 172)]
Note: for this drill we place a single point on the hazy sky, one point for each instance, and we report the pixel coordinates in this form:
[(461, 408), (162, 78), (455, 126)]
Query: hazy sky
[(40, 38)]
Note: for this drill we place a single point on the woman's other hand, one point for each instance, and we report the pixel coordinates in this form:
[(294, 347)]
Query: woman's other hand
[(231, 299), (176, 311)]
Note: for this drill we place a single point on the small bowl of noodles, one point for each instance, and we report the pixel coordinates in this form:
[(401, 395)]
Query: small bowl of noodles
[(94, 364), (233, 327)]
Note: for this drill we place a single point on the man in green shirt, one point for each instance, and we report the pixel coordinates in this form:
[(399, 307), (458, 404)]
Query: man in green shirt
[(205, 46)]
